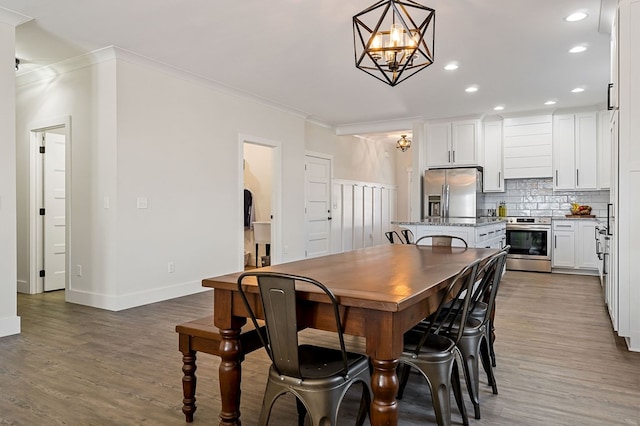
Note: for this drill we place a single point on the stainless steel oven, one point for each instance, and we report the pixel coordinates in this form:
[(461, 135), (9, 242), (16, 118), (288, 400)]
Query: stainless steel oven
[(530, 241)]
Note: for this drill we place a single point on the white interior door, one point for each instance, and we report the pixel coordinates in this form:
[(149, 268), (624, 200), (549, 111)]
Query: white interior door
[(318, 205), (54, 244)]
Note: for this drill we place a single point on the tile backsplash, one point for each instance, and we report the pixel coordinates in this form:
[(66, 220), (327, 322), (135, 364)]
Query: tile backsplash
[(536, 197)]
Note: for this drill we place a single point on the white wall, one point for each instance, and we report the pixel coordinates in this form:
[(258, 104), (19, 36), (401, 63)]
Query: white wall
[(88, 96), (9, 321), (354, 158), (141, 132)]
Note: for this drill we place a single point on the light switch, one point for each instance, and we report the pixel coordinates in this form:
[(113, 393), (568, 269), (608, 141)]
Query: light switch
[(142, 202)]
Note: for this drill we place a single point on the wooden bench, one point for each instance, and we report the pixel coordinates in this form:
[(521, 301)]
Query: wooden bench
[(202, 335)]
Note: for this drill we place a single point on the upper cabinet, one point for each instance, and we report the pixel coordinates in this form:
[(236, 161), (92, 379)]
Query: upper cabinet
[(527, 147), (575, 151), (493, 158), (452, 144)]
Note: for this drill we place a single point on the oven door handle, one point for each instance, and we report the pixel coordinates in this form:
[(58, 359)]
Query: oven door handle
[(528, 228)]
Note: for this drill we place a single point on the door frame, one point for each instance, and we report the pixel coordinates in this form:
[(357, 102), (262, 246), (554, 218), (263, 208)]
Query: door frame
[(35, 284), (276, 196)]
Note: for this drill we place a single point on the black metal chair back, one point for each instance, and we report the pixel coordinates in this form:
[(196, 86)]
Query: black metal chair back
[(448, 314), (441, 240), (278, 296), (393, 237)]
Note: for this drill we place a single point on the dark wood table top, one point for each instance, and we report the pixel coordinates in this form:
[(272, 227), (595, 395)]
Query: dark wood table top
[(387, 278)]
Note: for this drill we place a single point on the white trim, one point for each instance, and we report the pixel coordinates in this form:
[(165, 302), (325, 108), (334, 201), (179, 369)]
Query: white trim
[(113, 52), (9, 326), (276, 195), (12, 17), (35, 284), (132, 300), (376, 127), (363, 183), (23, 286)]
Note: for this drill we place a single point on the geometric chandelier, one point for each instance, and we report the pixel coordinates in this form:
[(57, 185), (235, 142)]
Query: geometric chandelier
[(403, 143), (398, 43)]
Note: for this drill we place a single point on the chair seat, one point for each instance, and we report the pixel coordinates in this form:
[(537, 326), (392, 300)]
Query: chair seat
[(317, 362), (479, 310), (435, 347)]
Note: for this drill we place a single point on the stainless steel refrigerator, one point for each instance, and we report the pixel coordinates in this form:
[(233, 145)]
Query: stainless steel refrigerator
[(453, 192)]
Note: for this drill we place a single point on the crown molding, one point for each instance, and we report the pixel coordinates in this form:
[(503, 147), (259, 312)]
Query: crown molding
[(12, 17), (377, 126), (113, 52)]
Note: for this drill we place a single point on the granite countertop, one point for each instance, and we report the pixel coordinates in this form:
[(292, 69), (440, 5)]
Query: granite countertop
[(453, 221), (578, 218)]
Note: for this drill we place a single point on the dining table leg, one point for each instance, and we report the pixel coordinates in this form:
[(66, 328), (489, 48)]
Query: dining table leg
[(384, 384), (230, 376)]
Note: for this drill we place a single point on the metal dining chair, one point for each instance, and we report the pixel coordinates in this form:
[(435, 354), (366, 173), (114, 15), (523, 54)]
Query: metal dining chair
[(408, 235), (441, 240), (431, 348), (318, 377), (393, 237), (476, 339)]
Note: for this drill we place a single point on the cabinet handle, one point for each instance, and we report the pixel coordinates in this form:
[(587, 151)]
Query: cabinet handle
[(556, 177), (577, 177), (499, 181), (609, 87), (555, 241), (454, 156), (563, 226), (449, 154)]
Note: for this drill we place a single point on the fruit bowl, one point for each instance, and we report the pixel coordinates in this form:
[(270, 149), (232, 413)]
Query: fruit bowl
[(580, 210)]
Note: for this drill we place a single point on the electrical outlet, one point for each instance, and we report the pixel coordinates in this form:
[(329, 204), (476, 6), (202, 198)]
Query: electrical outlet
[(171, 267), (79, 270), (141, 202)]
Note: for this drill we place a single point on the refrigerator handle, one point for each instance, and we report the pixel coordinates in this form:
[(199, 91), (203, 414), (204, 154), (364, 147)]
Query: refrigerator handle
[(445, 200)]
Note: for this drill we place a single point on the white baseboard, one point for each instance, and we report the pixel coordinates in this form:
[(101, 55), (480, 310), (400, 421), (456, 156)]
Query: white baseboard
[(633, 342), (131, 300), (9, 326), (23, 287)]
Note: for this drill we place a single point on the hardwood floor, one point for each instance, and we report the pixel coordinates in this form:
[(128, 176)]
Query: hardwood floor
[(559, 363)]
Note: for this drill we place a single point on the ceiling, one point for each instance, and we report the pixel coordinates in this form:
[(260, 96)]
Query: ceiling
[(298, 54)]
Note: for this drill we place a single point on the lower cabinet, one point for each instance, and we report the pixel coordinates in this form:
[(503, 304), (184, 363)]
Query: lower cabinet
[(479, 236), (574, 246)]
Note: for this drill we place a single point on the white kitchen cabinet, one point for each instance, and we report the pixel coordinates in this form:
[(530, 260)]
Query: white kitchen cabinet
[(563, 252), (586, 257), (604, 150), (489, 235), (527, 147), (452, 144), (575, 151), (574, 246), (493, 174)]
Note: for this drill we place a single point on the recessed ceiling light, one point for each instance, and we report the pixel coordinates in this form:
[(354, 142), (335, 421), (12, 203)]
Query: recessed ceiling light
[(577, 90), (498, 108), (550, 103), (451, 66), (577, 49), (578, 16), (471, 89)]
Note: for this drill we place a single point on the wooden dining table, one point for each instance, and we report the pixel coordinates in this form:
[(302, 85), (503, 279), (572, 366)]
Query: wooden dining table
[(382, 291)]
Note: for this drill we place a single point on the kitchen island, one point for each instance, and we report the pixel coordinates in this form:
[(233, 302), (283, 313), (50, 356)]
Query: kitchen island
[(484, 232)]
